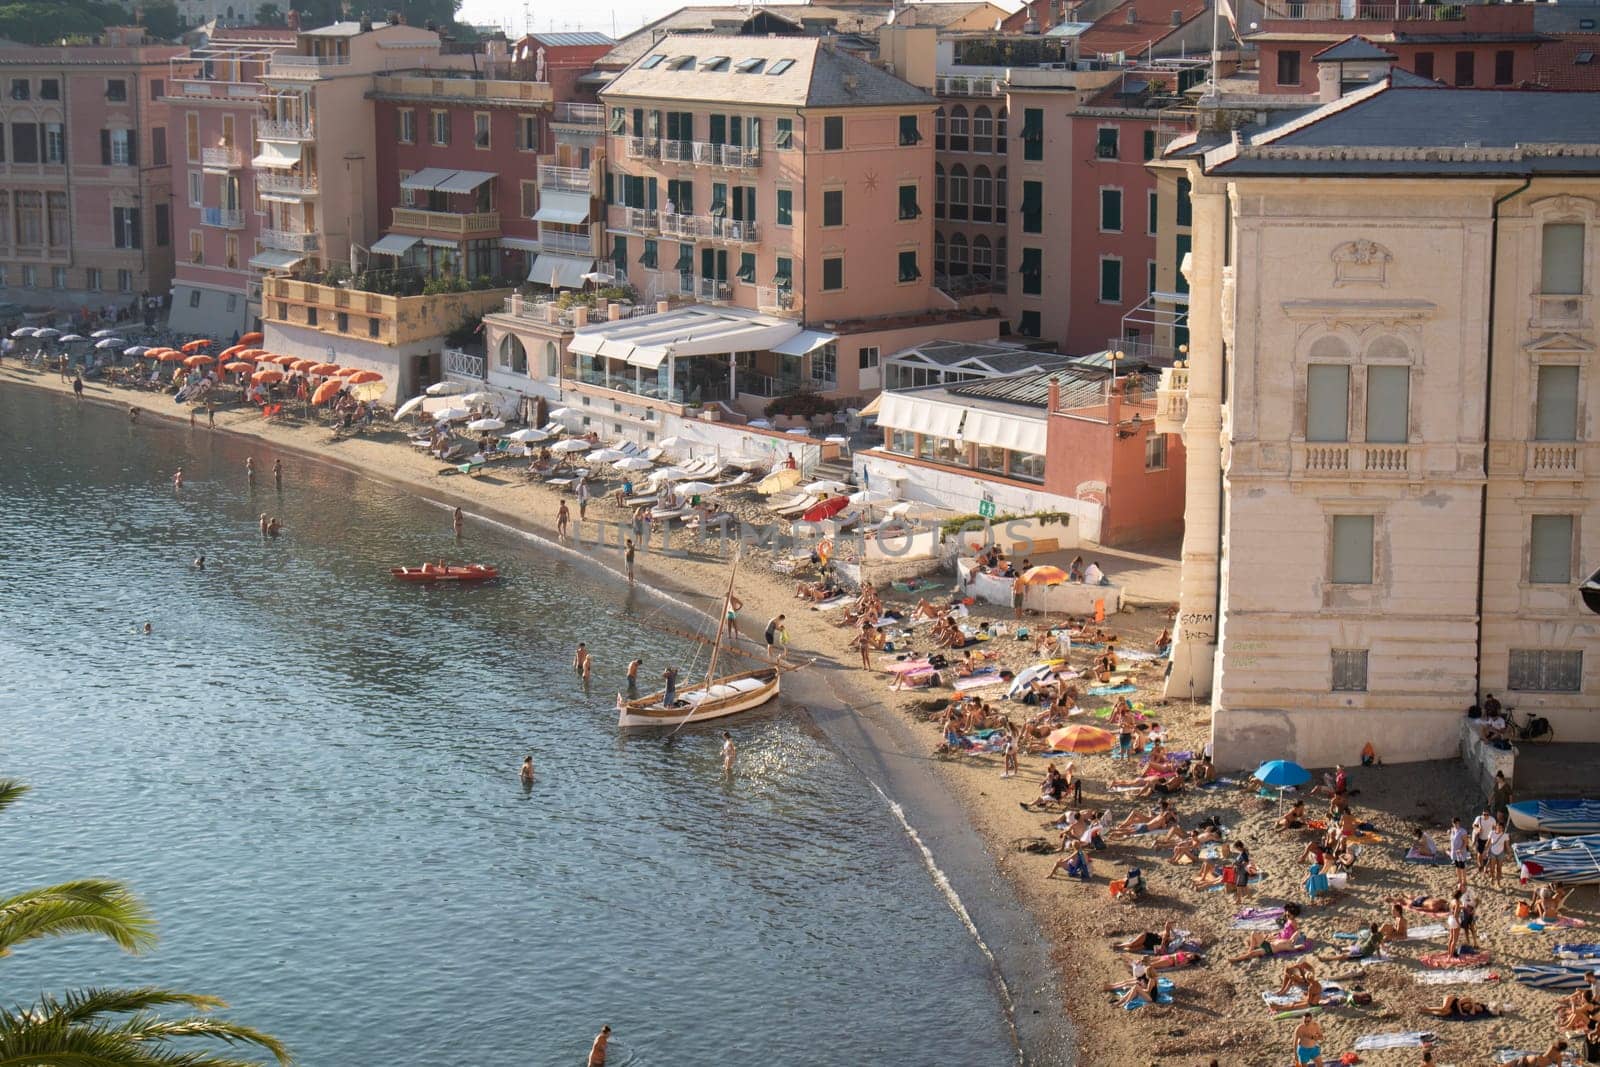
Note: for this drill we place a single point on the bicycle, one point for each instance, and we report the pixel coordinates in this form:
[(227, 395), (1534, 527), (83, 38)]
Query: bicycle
[(1536, 728)]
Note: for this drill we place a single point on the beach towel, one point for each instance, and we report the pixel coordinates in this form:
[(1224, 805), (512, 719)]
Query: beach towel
[(1412, 857), (1255, 925), (1164, 989), (831, 603), (1554, 976), (1332, 993), (1111, 690), (1570, 951), (978, 681), (1443, 960), (1538, 926), (1457, 976), (1401, 1039), (1259, 913), (907, 666), (1425, 931)]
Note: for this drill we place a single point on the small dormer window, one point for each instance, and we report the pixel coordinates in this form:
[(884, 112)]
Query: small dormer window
[(714, 63), (749, 66), (680, 62), (652, 62), (780, 66)]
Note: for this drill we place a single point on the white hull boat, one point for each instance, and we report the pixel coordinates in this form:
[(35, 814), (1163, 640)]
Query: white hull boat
[(720, 697), (1556, 816)]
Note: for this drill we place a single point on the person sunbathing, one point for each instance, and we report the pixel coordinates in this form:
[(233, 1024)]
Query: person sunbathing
[(1296, 975), (1158, 818), (1075, 864), (1105, 665), (1551, 1057), (1454, 1006), (1579, 1016), (1423, 903), (1395, 929), (925, 610), (1148, 785), (1141, 988), (1208, 875), (818, 591), (1265, 946), (1051, 790), (1151, 943), (1293, 819), (1547, 901)]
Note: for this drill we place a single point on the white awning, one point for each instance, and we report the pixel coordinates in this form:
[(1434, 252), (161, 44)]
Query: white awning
[(438, 242), (278, 154), (464, 181), (275, 259), (560, 272), (394, 244), (915, 414), (520, 244), (567, 208), (804, 342), (692, 330), (1018, 432), (427, 179)]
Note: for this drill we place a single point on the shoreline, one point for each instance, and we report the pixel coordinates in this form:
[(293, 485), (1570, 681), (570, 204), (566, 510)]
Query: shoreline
[(863, 729)]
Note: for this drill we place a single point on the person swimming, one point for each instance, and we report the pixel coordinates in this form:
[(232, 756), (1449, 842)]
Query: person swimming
[(200, 563), (526, 772)]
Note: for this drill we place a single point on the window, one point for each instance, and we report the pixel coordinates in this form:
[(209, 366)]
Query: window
[(49, 89), (908, 266), (125, 282), (197, 247), (747, 268), (1561, 272), (1423, 64), (1111, 211), (529, 198), (342, 321), (1150, 282), (441, 127), (1149, 145), (1155, 452), (908, 202), (158, 146), (406, 125), (958, 255), (783, 133), (1327, 402), (982, 129), (867, 357), (408, 197), (163, 220), (194, 298), (191, 136), (19, 89), (1349, 670), (311, 315), (1033, 133), (116, 89), (1556, 407), (1289, 67), (92, 279), (833, 133), (55, 143), (158, 88), (1105, 146), (372, 327), (1032, 207), (1504, 63), (480, 129), (58, 219), (527, 133), (909, 134), (58, 277), (652, 62), (1111, 281), (1185, 207), (1352, 550), (833, 207), (25, 142), (1388, 404), (982, 194), (118, 148), (832, 274), (1027, 466), (825, 366), (125, 227), (783, 276), (1464, 68), (230, 251), (982, 258), (1028, 321), (1550, 550), (1151, 215), (1545, 670), (956, 204), (1032, 272), (779, 67), (30, 277), (785, 211)]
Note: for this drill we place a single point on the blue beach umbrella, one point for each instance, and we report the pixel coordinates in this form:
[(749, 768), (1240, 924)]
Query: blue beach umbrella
[(1282, 774)]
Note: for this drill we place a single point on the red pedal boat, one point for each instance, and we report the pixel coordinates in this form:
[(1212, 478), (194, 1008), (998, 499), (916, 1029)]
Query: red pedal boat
[(434, 572)]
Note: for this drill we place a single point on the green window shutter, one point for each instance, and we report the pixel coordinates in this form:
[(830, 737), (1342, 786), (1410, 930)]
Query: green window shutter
[(747, 268), (783, 277), (685, 264)]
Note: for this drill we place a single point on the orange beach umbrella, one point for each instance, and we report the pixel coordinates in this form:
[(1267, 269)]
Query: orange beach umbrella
[(324, 370), (1088, 740), (195, 346), (1043, 576), (197, 361), (238, 367), (230, 351), (327, 391), (252, 338), (302, 365), (362, 377), (170, 355)]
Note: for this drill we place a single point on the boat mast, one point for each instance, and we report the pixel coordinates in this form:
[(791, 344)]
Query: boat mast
[(722, 620)]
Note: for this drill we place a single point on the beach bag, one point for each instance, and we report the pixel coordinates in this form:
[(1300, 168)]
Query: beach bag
[(1538, 726), (1523, 911)]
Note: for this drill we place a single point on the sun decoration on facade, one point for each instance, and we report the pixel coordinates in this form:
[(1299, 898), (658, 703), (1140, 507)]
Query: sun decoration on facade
[(1361, 261), (870, 180)]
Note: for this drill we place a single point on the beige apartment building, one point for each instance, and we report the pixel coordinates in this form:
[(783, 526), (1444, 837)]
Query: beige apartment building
[(1389, 411)]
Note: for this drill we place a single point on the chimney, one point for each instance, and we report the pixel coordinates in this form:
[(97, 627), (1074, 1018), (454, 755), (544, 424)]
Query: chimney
[(614, 312), (1329, 87), (1113, 405), (580, 316), (552, 313), (293, 20), (366, 23), (1054, 403)]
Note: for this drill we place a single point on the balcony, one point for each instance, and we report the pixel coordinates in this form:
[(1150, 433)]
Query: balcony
[(295, 65), (461, 86), (566, 179), (706, 154), (475, 224), (221, 159), (466, 365), (290, 240), (565, 241), (225, 218), (774, 300), (1555, 460), (944, 85), (544, 311), (579, 114), (284, 130), (211, 89), (286, 184), (1172, 400), (713, 228), (1353, 461), (1365, 11), (644, 148), (712, 291)]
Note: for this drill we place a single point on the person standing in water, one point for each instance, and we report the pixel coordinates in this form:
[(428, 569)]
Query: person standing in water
[(597, 1051), (777, 636), (580, 658), (250, 470), (526, 773), (77, 386), (627, 557), (458, 521), (729, 751), (562, 518), (177, 478), (277, 474), (263, 524)]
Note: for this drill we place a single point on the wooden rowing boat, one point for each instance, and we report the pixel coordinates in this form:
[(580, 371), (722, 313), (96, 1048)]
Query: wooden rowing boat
[(432, 572)]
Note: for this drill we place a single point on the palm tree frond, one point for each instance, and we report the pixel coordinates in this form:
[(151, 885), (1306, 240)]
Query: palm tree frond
[(152, 1029), (47, 1036), (84, 1005), (11, 791), (93, 906)]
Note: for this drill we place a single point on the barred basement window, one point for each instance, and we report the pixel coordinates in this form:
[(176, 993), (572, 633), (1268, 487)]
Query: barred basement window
[(1349, 670), (1545, 670)]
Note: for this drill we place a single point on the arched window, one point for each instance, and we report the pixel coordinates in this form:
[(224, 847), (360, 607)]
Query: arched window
[(552, 360), (1388, 349), (938, 254), (1330, 348), (982, 258), (982, 129), (958, 255), (938, 191), (1000, 130), (938, 129), (958, 192), (982, 194), (1000, 196), (1001, 266), (958, 128), (513, 355)]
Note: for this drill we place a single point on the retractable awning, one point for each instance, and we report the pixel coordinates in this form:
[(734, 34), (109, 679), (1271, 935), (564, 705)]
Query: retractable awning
[(395, 244), (427, 179), (279, 155), (464, 181), (694, 330), (569, 209), (914, 414), (560, 272), (1017, 432), (438, 242), (275, 259), (520, 244), (805, 342)]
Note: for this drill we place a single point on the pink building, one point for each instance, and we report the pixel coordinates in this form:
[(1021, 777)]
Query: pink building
[(85, 213), (214, 95)]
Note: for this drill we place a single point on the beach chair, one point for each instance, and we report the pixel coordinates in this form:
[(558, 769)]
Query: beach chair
[(653, 454)]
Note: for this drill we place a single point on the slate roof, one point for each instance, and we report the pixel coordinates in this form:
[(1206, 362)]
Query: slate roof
[(818, 76), (1352, 50)]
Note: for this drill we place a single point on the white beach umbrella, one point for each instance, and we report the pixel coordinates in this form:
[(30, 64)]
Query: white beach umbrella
[(103, 333), (135, 351), (23, 331), (632, 463), (669, 474), (71, 338), (562, 413), (46, 332), (870, 496), (527, 435), (485, 425), (674, 442), (452, 415), (445, 388), (826, 487), (478, 399), (409, 406), (572, 444), (605, 455), (695, 488), (110, 342)]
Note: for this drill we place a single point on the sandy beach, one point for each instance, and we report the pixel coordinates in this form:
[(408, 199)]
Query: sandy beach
[(1217, 1009)]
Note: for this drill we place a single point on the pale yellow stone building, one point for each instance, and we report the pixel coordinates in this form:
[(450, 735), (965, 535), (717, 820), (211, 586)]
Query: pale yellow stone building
[(1390, 408)]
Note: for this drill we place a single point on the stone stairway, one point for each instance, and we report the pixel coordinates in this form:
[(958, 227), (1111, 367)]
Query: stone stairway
[(833, 470)]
